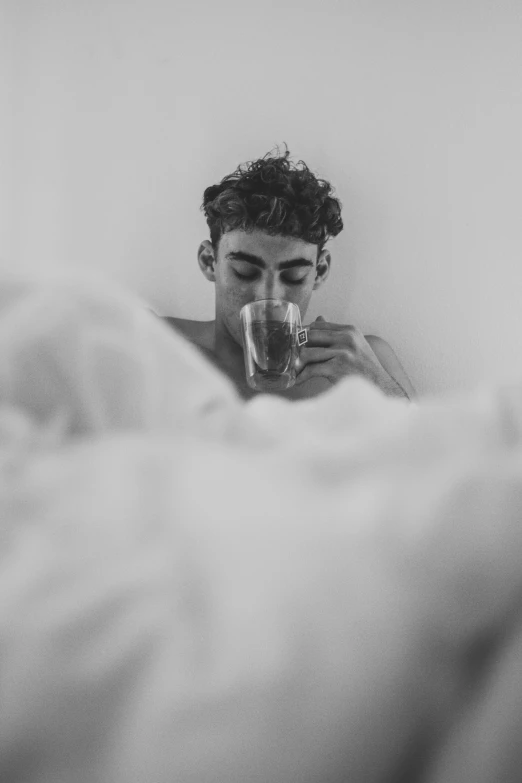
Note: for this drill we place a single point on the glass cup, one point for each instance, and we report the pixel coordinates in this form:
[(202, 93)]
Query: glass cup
[(272, 335)]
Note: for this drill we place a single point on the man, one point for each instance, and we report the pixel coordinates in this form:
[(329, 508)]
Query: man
[(269, 222)]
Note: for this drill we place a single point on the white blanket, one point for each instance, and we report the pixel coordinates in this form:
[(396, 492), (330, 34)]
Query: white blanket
[(199, 590)]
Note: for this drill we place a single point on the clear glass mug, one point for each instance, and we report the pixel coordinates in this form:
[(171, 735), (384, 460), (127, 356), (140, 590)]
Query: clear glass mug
[(272, 335)]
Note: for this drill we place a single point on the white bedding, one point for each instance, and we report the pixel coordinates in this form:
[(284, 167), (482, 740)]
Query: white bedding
[(198, 590)]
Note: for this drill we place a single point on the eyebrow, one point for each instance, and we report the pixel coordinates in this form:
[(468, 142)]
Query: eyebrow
[(238, 255)]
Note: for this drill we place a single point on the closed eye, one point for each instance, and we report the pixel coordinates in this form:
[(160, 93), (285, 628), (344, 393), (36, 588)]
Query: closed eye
[(245, 277), (286, 280)]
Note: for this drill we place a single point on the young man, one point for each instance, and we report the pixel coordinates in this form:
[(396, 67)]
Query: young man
[(269, 222)]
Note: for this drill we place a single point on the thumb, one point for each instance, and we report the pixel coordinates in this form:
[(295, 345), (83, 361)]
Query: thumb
[(319, 318)]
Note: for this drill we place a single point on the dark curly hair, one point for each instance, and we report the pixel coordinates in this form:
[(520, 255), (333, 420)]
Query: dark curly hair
[(276, 196)]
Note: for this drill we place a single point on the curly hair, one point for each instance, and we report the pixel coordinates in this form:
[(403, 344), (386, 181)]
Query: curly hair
[(274, 195)]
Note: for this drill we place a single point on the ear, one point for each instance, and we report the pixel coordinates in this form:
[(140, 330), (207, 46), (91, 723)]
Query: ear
[(322, 269), (207, 260)]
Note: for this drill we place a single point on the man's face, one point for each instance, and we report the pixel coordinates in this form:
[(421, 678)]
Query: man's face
[(255, 265)]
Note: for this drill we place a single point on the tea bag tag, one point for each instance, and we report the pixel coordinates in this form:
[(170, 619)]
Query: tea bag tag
[(302, 337)]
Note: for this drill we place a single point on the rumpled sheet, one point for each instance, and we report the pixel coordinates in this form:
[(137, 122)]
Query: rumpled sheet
[(202, 590)]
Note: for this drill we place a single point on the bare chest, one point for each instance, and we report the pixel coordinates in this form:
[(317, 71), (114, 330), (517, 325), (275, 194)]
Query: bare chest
[(200, 334)]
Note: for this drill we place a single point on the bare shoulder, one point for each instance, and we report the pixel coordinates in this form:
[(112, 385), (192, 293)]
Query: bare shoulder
[(181, 324), (377, 343), (198, 332), (390, 362)]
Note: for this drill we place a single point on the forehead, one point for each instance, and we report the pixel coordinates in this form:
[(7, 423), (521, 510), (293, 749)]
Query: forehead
[(271, 249)]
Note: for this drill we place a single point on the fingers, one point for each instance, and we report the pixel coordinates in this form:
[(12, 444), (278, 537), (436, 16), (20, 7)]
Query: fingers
[(321, 362), (309, 355), (319, 338), (320, 323), (318, 370), (326, 338)]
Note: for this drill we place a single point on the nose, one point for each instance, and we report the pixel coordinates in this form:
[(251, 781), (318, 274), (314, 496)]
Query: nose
[(270, 288)]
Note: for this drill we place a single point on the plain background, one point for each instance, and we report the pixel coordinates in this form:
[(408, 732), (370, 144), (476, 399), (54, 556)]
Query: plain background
[(117, 114)]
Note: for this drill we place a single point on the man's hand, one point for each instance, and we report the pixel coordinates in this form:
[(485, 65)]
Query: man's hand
[(335, 351)]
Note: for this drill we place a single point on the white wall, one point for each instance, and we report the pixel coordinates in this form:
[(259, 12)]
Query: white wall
[(126, 111), (6, 131)]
